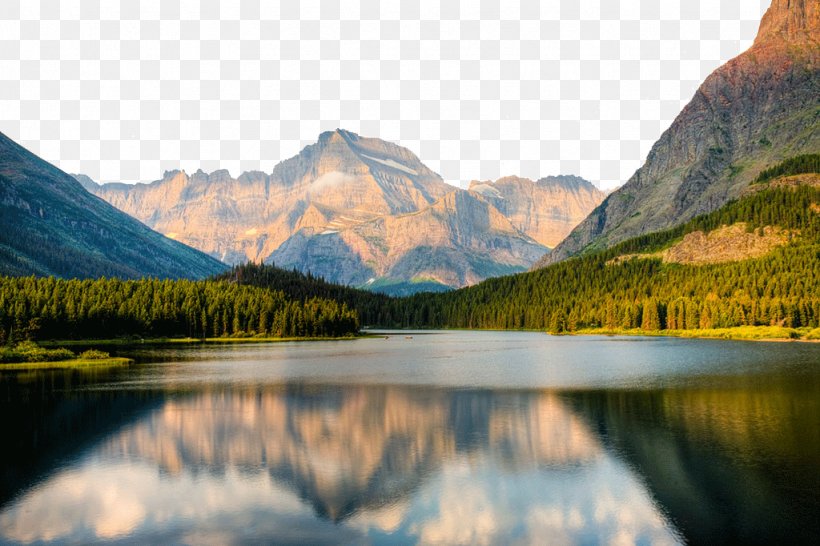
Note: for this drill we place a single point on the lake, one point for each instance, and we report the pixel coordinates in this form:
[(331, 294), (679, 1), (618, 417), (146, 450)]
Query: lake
[(441, 437)]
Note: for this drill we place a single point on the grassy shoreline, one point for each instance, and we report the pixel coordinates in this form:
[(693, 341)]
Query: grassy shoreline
[(128, 342), (76, 363), (743, 333)]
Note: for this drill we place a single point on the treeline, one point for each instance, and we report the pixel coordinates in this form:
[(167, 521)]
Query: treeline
[(373, 308), (782, 288), (801, 164), (50, 308), (588, 293)]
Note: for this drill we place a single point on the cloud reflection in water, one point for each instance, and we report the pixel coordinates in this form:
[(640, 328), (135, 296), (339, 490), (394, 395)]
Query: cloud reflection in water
[(345, 464)]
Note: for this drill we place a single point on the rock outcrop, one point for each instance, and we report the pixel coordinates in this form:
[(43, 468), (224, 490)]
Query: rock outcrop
[(755, 110)]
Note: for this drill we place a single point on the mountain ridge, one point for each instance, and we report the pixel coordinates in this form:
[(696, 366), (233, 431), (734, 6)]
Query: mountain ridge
[(50, 225), (343, 208)]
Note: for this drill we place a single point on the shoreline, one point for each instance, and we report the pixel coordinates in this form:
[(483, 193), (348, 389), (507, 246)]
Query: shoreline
[(777, 334), (77, 363), (124, 342), (774, 334)]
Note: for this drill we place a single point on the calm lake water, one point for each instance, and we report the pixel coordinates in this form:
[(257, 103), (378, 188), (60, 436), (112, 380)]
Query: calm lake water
[(456, 437)]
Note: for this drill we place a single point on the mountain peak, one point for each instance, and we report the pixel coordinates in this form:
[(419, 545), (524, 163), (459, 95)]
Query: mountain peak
[(792, 21), (326, 135), (337, 136)]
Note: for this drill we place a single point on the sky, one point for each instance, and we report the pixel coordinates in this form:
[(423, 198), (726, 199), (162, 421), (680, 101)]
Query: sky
[(122, 90)]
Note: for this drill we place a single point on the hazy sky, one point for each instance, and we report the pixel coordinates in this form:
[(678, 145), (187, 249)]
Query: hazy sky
[(123, 90)]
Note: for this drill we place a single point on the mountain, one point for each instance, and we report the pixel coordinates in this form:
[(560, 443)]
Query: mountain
[(458, 240), (342, 179), (546, 210), (358, 211), (50, 225), (754, 111)]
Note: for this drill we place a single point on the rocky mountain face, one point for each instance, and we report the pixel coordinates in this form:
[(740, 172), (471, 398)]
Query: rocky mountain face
[(545, 210), (341, 179), (754, 111), (458, 240), (359, 211), (50, 225)]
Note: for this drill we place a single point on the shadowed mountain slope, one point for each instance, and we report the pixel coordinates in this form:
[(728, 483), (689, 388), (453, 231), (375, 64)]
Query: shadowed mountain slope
[(50, 225)]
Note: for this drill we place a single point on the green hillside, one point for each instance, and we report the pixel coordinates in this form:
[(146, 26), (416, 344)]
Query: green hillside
[(373, 308)]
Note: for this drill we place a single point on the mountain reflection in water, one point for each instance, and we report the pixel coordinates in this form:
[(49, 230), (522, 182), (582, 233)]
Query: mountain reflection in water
[(456, 438), (344, 463)]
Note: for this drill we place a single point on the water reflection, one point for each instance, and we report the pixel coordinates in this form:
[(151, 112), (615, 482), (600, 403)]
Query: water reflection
[(739, 463), (331, 463), (455, 438)]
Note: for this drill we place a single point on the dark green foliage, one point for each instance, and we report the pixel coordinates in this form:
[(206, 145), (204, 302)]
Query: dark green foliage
[(49, 308), (801, 164), (93, 354), (373, 308), (28, 351)]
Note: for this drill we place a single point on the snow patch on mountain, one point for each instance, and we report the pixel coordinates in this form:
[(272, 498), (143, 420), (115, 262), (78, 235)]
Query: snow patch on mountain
[(391, 163)]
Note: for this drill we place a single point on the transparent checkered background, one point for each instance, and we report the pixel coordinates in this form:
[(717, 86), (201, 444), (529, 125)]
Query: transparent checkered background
[(125, 89)]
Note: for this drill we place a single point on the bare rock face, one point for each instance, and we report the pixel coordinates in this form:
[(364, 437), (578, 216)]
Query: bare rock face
[(354, 209), (545, 210), (458, 240), (789, 21), (756, 110)]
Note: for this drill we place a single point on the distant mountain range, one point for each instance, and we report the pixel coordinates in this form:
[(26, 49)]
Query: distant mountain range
[(756, 110), (361, 211), (49, 225)]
